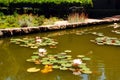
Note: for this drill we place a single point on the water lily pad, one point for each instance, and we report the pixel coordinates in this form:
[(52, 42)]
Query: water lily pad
[(47, 63), (85, 69), (55, 66), (22, 45), (100, 34), (35, 52), (34, 47), (83, 65), (33, 69), (78, 33), (34, 57), (50, 55), (54, 61), (94, 33), (17, 42), (80, 56), (66, 65), (32, 43), (72, 69), (70, 60), (30, 60), (45, 58), (100, 43), (61, 57), (68, 51), (68, 56), (62, 62), (63, 53), (85, 58), (87, 72), (63, 68), (43, 44), (13, 41)]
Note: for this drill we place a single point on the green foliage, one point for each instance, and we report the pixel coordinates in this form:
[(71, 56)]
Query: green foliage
[(47, 1), (1, 14), (25, 20), (50, 21)]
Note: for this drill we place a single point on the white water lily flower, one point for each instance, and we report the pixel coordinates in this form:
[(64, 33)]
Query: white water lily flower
[(77, 61), (38, 40), (116, 25), (42, 50)]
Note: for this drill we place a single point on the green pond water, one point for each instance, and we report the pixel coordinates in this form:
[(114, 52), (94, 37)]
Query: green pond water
[(104, 62)]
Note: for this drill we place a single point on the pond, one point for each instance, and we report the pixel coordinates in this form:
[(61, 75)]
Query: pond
[(104, 62)]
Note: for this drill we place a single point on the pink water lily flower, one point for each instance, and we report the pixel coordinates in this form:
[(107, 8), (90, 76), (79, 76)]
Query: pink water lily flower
[(77, 61)]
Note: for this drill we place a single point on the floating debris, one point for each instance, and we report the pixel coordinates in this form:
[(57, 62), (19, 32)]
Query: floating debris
[(34, 43)]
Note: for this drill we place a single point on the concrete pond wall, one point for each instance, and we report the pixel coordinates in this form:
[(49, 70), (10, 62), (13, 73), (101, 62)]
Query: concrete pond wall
[(60, 25)]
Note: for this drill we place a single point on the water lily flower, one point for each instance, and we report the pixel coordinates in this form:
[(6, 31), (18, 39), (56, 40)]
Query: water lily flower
[(38, 39), (116, 25), (77, 61), (42, 50)]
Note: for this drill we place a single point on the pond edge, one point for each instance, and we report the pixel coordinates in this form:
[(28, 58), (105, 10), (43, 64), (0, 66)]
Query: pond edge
[(9, 32)]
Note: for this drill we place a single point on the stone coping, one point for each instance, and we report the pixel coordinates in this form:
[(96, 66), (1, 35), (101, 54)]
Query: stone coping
[(59, 25)]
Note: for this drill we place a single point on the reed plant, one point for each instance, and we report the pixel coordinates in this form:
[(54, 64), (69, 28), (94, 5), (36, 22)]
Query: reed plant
[(77, 17)]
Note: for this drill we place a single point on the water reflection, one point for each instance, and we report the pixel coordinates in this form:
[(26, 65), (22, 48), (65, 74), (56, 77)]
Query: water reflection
[(73, 31), (85, 76), (101, 69), (98, 73), (58, 77), (10, 78)]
